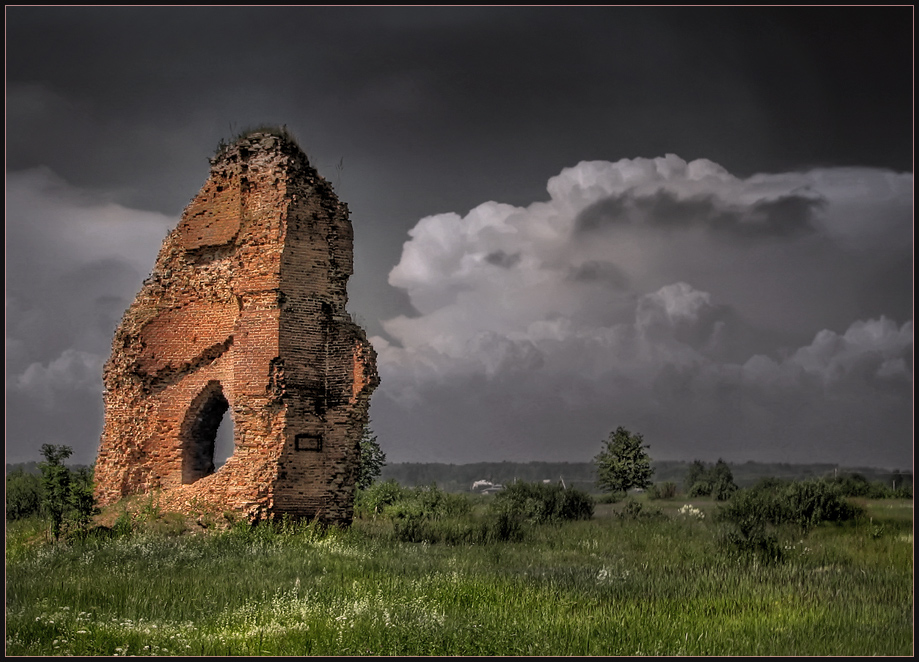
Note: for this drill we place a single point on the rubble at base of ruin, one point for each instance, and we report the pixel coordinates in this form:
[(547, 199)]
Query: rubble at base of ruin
[(244, 313)]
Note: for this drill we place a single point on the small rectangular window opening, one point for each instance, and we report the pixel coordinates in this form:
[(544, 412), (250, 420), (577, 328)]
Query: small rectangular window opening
[(308, 442)]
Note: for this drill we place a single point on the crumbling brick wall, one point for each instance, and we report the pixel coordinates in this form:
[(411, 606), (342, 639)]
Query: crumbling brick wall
[(244, 310)]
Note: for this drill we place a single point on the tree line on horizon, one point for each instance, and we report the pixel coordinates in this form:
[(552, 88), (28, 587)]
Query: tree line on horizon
[(623, 464)]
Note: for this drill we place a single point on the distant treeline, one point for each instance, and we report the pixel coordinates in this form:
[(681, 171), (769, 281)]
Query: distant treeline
[(583, 475), (33, 468)]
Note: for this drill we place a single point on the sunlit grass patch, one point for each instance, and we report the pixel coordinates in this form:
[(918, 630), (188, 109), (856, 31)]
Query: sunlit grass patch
[(608, 586)]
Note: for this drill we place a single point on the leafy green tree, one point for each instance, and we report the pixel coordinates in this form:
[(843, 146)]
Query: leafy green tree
[(624, 462), (373, 459), (56, 484)]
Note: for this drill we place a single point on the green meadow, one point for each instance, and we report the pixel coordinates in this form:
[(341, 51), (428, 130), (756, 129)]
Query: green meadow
[(663, 583)]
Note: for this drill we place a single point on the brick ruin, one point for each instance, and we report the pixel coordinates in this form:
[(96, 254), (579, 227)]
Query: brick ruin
[(244, 311)]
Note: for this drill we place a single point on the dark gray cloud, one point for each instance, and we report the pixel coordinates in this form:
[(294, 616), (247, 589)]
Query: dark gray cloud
[(788, 215), (413, 113), (599, 271), (501, 259)]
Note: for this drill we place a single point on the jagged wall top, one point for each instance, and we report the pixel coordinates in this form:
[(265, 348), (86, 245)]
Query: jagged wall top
[(262, 138), (213, 218)]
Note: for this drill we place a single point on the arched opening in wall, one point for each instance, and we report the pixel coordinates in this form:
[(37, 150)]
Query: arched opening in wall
[(200, 433), (225, 442)]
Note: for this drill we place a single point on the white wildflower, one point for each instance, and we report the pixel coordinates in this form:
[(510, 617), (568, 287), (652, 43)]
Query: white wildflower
[(688, 510)]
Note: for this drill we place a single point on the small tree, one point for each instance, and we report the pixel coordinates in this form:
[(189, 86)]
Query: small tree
[(624, 462), (56, 484), (373, 459), (723, 485)]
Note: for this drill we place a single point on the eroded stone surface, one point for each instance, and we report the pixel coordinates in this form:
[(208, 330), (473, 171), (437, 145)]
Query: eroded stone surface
[(244, 309)]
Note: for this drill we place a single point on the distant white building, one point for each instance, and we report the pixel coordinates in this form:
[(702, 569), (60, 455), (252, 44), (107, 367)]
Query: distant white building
[(486, 487)]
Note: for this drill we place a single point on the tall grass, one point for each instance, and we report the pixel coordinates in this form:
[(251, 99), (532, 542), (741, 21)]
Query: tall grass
[(608, 586)]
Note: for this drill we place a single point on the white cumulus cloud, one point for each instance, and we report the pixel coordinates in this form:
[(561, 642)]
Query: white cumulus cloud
[(665, 293)]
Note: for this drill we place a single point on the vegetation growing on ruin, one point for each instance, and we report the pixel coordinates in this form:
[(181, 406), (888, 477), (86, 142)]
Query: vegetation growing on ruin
[(280, 131)]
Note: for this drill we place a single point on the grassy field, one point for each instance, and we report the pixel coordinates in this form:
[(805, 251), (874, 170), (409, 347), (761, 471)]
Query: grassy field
[(608, 586)]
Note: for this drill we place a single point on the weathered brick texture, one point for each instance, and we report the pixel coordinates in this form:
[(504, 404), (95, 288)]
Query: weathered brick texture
[(245, 309)]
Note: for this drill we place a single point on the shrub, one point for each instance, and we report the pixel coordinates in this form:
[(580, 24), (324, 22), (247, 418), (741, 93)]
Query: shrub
[(662, 491), (851, 484), (723, 490), (419, 514), (428, 514), (694, 474), (809, 503), (701, 488), (748, 517), (804, 503), (23, 495), (723, 485), (717, 482), (576, 505), (437, 504), (426, 501), (751, 514), (856, 485), (903, 492), (372, 500), (539, 503)]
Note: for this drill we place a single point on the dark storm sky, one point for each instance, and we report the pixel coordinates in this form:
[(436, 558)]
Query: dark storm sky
[(693, 222)]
